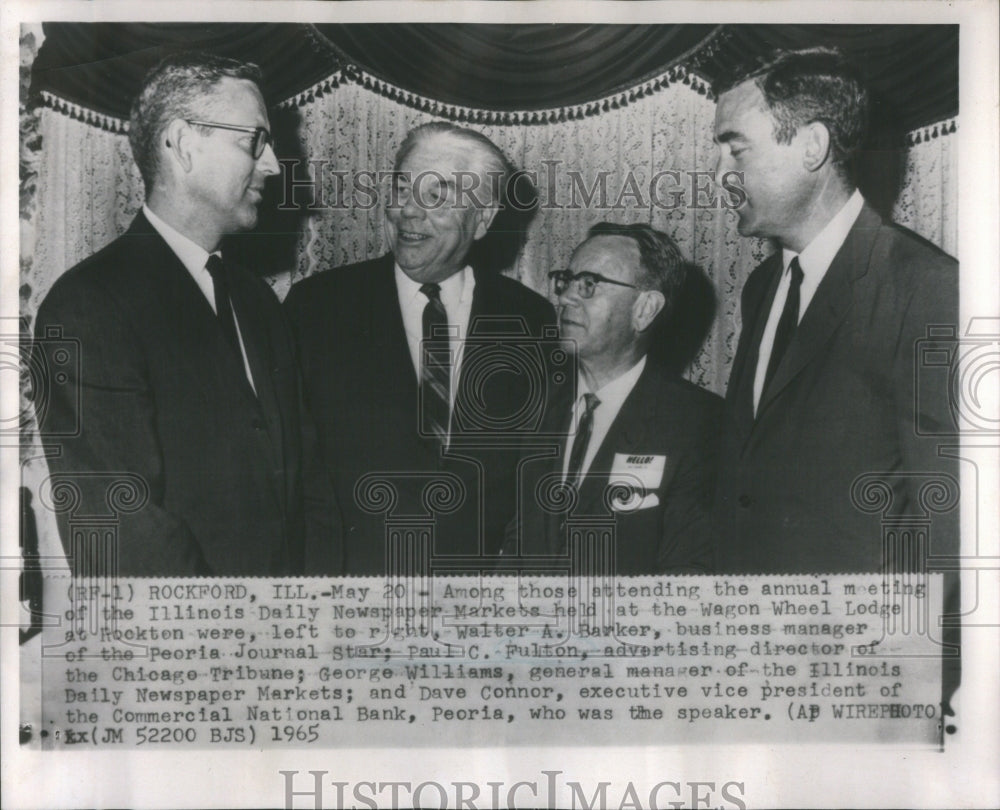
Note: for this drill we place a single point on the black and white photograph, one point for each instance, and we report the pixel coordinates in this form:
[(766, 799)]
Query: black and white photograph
[(500, 405)]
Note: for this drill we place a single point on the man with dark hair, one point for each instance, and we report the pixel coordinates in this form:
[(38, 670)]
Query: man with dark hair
[(823, 384), (186, 403), (639, 453), (413, 362)]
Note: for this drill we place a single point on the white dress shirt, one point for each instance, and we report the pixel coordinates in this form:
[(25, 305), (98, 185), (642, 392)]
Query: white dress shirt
[(456, 296), (612, 396), (194, 258), (815, 259)]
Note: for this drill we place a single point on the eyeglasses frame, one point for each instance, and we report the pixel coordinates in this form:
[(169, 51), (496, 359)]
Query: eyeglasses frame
[(565, 276), (261, 135)]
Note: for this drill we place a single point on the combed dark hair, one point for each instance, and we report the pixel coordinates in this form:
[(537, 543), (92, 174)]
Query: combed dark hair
[(170, 91), (660, 260), (814, 84)]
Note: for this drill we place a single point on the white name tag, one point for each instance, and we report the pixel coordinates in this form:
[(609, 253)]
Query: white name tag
[(646, 469), (635, 502)]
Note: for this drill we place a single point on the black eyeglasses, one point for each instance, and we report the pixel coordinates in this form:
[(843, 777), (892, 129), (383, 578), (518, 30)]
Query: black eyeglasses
[(258, 143), (586, 282)]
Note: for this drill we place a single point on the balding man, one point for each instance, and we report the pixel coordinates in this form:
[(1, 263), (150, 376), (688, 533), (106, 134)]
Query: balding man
[(386, 407), (182, 424), (639, 453)]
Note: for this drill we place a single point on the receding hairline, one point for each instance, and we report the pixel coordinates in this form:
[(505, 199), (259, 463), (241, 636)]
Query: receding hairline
[(469, 143), (217, 90), (749, 99), (621, 238), (745, 100)]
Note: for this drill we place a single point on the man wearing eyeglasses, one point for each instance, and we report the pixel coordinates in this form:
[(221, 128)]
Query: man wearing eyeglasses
[(639, 453), (183, 420)]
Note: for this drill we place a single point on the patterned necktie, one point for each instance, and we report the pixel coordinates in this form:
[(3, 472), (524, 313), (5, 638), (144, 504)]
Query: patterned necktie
[(787, 323), (582, 438), (223, 302), (435, 367)]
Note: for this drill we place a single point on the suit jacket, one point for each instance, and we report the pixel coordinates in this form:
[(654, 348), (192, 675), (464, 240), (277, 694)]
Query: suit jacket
[(156, 397), (363, 391), (662, 523), (847, 400)]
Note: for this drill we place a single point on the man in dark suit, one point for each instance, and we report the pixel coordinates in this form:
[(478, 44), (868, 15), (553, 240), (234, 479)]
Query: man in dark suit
[(182, 423), (639, 457), (823, 389), (421, 370)]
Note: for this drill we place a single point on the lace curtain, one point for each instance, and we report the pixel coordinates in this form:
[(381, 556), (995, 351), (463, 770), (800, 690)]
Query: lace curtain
[(928, 199), (88, 190)]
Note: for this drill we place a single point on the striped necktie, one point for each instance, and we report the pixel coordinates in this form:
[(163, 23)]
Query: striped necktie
[(435, 368)]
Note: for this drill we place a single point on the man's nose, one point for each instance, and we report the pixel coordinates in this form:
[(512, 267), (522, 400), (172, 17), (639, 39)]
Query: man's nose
[(410, 206), (721, 165), (571, 293), (267, 163)]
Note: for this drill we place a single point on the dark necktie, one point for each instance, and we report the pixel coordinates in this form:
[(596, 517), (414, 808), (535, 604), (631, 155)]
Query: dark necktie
[(435, 367), (787, 323), (223, 302), (582, 438)]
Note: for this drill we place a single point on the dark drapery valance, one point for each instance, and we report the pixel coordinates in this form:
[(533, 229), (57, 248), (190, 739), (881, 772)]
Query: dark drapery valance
[(98, 66), (515, 67)]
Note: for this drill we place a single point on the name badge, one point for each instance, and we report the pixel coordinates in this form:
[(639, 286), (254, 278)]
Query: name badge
[(636, 478), (647, 470)]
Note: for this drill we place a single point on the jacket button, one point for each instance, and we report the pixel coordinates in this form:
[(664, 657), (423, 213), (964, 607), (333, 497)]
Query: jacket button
[(257, 424), (745, 500)]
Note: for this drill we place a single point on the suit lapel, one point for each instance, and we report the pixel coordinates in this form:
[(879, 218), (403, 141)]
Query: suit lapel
[(740, 391), (627, 434), (483, 305), (261, 359), (386, 331), (561, 420), (829, 306), (185, 314), (191, 329)]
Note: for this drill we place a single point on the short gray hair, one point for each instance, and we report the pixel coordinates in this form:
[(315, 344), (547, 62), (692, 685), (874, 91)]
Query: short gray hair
[(660, 262), (169, 91), (492, 161)]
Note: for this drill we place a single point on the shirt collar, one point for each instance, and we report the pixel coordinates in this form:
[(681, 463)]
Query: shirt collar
[(816, 258), (455, 290), (193, 256), (614, 393)]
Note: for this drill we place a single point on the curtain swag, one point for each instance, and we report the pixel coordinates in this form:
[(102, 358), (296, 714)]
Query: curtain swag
[(110, 123), (929, 132), (453, 112), (496, 74)]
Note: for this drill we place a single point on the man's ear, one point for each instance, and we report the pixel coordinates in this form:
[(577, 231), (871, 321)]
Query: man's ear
[(484, 218), (645, 309), (815, 139), (178, 138)]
